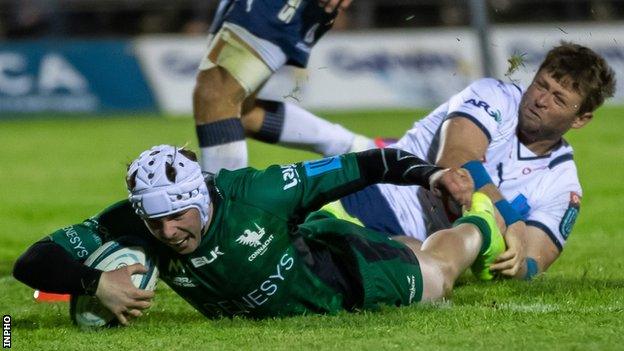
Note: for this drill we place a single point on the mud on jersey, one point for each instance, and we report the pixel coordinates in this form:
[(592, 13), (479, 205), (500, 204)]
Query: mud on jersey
[(247, 262)]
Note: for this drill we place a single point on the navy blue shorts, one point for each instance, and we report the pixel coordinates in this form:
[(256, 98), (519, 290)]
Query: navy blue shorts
[(294, 29)]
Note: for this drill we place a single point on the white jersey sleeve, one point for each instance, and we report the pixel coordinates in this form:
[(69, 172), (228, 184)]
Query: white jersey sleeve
[(491, 104), (558, 205)]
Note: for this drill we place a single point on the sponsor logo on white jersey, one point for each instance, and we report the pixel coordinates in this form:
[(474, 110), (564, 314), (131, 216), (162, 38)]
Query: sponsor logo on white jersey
[(496, 114)]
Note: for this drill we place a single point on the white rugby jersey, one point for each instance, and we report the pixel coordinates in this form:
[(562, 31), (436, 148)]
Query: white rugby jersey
[(545, 190)]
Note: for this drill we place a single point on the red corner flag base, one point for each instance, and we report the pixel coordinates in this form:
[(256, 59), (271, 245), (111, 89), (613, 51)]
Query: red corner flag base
[(41, 296)]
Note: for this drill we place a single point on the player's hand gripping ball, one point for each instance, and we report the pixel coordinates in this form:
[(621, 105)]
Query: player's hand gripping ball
[(87, 311)]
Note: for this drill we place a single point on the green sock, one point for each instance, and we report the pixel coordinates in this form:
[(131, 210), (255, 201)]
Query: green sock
[(483, 226)]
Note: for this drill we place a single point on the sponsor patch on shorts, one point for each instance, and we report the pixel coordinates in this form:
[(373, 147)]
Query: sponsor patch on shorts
[(314, 168), (570, 216)]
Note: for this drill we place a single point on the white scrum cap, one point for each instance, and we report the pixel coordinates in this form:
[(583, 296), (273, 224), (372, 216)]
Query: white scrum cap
[(164, 181)]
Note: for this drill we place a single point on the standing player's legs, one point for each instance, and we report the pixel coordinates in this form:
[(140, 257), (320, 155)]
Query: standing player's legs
[(290, 125), (251, 41), (230, 71)]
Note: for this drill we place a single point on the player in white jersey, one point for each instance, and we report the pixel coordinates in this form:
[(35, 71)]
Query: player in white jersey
[(511, 141)]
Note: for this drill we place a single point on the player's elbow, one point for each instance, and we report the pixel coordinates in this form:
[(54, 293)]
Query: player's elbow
[(28, 265), (23, 266)]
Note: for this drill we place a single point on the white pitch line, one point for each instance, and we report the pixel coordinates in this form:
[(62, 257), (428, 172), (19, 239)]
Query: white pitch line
[(547, 308), (533, 308)]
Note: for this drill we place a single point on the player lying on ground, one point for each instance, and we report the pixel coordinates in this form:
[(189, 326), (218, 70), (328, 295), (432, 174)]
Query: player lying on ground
[(247, 242), (511, 141), (249, 41)]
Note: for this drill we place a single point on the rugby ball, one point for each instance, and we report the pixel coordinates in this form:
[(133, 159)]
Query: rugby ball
[(87, 311)]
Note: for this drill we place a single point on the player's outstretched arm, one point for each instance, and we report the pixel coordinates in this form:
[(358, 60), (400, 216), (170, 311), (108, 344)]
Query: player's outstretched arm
[(47, 266), (403, 168)]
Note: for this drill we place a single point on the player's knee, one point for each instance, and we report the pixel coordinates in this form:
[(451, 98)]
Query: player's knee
[(209, 88), (216, 95)]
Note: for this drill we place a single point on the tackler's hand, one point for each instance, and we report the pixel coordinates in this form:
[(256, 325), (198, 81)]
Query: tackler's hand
[(509, 262), (455, 182)]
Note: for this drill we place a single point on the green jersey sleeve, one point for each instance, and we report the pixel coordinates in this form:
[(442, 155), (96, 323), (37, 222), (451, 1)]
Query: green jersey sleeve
[(82, 239), (294, 189)]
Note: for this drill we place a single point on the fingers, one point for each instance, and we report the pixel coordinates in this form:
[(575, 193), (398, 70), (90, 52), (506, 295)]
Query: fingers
[(141, 305), (131, 309), (460, 187), (136, 268), (139, 294), (122, 319), (508, 263), (506, 256), (511, 272), (134, 313), (500, 266)]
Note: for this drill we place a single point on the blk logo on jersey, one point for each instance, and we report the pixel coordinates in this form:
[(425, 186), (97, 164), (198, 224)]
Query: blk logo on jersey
[(203, 260), (496, 114), (570, 216)]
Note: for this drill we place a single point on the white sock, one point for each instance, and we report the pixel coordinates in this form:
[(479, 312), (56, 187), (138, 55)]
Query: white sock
[(229, 156), (362, 143), (304, 130), (222, 145)]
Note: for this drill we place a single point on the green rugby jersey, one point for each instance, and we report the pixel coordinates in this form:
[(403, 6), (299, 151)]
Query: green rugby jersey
[(247, 262)]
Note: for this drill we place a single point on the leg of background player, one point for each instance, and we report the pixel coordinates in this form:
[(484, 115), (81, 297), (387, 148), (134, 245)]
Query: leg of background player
[(217, 101), (290, 125)]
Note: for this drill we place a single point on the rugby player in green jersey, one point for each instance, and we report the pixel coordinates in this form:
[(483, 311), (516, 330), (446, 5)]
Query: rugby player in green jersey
[(251, 242)]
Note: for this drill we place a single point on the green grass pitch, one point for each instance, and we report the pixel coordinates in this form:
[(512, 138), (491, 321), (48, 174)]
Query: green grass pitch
[(58, 170)]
